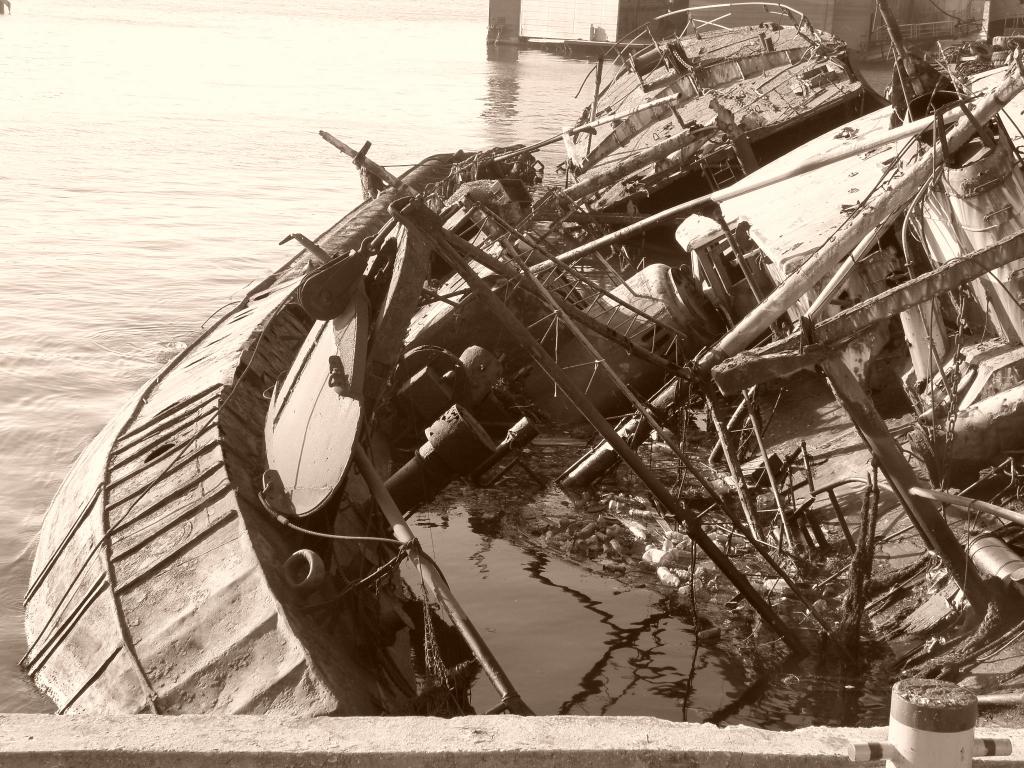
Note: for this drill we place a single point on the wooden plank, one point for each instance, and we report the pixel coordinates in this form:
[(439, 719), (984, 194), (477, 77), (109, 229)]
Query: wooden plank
[(746, 369)]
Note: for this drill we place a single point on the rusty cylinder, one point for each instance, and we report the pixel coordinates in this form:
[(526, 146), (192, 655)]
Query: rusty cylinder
[(456, 444)]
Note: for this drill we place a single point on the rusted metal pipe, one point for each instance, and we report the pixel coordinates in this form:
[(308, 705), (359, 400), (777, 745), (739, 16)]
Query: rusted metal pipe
[(601, 458), (968, 504), (433, 578)]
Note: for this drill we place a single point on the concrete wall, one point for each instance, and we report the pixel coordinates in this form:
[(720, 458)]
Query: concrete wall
[(1007, 17), (504, 13), (570, 19), (149, 741), (633, 13), (851, 20)]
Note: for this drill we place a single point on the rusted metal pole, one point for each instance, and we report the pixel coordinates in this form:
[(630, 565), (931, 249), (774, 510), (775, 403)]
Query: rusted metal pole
[(896, 36), (714, 212), (361, 160), (407, 213), (892, 27), (733, 463), (968, 504), (433, 578)]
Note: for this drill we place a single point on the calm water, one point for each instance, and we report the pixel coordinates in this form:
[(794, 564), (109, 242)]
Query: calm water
[(151, 156)]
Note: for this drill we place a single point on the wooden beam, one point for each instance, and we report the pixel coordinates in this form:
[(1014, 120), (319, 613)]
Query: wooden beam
[(773, 360), (746, 369)]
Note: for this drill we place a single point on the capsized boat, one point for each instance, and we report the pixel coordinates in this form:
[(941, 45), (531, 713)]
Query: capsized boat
[(217, 548), (696, 110)]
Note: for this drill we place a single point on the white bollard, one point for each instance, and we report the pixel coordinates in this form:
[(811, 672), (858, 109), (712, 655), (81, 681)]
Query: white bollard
[(931, 725)]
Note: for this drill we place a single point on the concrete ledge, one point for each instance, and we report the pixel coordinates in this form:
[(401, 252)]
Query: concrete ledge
[(220, 741)]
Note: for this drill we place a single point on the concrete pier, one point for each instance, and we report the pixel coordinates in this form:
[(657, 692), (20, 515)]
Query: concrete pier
[(149, 741)]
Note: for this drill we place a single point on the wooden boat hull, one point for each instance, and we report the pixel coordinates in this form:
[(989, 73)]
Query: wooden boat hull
[(157, 583)]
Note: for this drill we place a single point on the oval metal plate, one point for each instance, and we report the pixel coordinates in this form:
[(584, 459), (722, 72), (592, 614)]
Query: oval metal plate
[(312, 425)]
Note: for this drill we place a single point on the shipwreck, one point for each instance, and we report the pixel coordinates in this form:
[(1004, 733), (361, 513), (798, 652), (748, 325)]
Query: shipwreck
[(235, 539)]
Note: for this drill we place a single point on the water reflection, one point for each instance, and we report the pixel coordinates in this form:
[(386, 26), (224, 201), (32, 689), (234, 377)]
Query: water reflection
[(509, 53), (574, 642), (502, 100)]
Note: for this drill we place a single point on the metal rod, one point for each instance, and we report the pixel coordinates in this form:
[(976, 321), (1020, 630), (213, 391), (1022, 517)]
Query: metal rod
[(968, 504), (435, 580), (597, 97), (840, 518), (734, 420), (768, 471), (844, 270)]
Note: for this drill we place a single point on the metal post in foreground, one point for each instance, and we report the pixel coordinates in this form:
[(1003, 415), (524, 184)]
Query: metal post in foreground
[(432, 577), (931, 725)]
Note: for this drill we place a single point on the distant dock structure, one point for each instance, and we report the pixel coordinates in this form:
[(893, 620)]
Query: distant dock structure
[(591, 26), (575, 25)]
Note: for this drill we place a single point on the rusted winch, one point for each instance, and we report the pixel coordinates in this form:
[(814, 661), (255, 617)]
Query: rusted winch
[(456, 446)]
